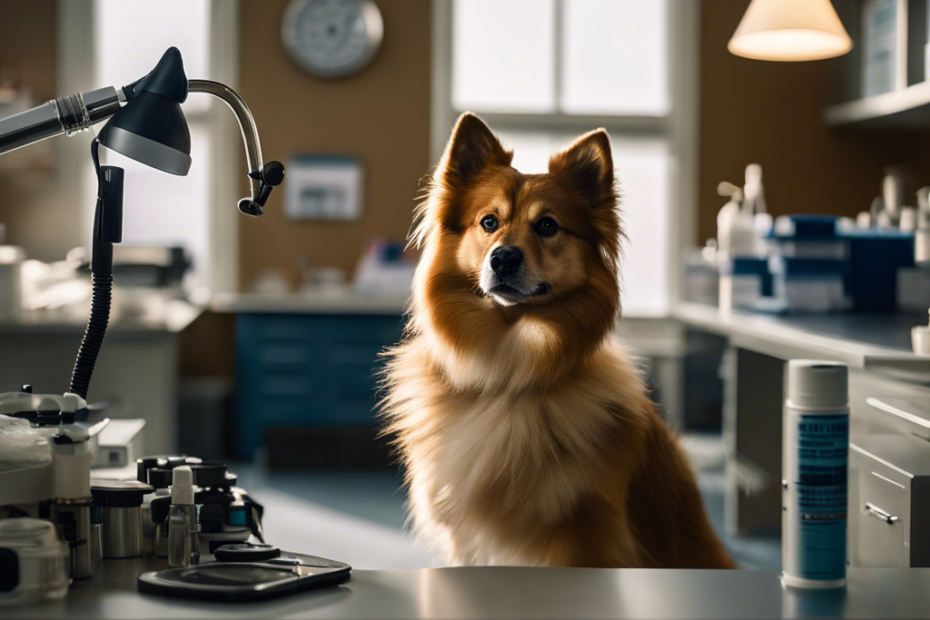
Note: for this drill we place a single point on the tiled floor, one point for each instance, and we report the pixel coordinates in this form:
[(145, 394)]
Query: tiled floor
[(358, 516)]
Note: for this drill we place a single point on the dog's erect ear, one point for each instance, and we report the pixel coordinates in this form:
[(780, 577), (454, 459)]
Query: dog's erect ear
[(471, 148), (588, 166)]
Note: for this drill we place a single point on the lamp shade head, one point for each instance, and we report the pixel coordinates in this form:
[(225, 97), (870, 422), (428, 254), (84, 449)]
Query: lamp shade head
[(790, 30), (151, 127)]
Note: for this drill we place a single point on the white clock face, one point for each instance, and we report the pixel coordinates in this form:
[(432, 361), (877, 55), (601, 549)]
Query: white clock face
[(332, 38)]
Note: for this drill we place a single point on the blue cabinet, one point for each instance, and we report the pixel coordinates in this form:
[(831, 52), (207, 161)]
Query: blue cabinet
[(308, 370)]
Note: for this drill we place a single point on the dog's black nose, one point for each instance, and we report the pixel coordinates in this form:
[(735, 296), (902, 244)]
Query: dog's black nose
[(505, 260)]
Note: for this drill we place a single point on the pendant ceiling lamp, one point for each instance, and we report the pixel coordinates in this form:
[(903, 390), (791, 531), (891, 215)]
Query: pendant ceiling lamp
[(790, 30)]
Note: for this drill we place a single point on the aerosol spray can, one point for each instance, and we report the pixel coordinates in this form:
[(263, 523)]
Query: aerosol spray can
[(814, 466)]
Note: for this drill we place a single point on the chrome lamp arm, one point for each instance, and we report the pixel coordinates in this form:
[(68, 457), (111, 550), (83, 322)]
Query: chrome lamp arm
[(75, 113)]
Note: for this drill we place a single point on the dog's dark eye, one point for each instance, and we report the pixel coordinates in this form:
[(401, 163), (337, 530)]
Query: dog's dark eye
[(489, 223), (546, 227)]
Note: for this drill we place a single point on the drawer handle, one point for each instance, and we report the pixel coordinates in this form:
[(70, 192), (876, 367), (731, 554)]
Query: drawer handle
[(877, 512)]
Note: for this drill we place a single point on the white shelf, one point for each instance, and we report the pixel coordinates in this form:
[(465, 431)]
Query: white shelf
[(906, 108)]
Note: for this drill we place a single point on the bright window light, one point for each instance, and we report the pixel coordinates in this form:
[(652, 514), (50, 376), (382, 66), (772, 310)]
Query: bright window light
[(614, 57), (502, 55), (161, 209)]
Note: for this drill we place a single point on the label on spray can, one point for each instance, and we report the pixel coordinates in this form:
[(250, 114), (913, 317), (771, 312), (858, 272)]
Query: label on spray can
[(821, 486)]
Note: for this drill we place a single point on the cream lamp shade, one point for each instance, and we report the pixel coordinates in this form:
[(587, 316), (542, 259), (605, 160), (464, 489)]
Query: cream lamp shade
[(790, 30)]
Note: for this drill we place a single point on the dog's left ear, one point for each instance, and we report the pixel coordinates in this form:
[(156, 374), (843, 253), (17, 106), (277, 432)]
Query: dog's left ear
[(588, 166)]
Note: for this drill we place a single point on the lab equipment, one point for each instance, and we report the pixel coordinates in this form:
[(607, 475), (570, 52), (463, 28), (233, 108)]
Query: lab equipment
[(750, 281), (54, 473), (146, 124), (734, 225), (817, 255), (227, 513), (702, 274), (876, 256), (753, 193), (11, 266), (884, 53), (246, 580), (33, 562), (893, 192), (809, 285), (920, 339), (922, 233), (744, 281), (815, 466), (118, 444), (809, 264), (183, 546), (246, 552), (118, 511)]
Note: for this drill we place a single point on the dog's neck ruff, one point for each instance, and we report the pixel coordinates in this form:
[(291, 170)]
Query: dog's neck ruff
[(484, 349)]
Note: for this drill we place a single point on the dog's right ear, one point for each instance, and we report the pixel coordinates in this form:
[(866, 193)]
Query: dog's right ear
[(471, 148)]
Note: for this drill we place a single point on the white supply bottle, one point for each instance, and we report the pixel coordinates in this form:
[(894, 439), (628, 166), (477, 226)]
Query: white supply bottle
[(815, 470), (183, 543)]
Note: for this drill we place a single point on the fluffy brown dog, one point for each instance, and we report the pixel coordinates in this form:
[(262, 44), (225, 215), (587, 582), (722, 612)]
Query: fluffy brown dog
[(526, 431)]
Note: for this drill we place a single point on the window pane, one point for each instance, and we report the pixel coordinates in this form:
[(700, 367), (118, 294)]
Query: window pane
[(642, 168), (160, 208), (132, 35), (502, 55), (614, 60)]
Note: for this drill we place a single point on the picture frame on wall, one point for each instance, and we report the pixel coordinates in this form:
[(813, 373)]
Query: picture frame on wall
[(324, 187)]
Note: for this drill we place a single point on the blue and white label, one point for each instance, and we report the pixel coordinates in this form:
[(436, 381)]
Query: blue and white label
[(820, 485)]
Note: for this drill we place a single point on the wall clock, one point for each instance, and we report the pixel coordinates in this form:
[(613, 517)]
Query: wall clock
[(332, 38)]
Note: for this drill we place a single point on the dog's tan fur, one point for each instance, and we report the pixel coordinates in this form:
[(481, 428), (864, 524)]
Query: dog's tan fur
[(526, 431)]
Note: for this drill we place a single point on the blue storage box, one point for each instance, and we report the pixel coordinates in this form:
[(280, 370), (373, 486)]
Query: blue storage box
[(868, 259), (876, 255), (810, 285), (749, 281)]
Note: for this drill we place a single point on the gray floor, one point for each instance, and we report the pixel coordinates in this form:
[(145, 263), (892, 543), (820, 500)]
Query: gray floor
[(358, 516)]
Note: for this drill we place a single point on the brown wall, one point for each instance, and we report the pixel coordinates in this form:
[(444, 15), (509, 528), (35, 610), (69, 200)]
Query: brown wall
[(380, 115), (772, 114)]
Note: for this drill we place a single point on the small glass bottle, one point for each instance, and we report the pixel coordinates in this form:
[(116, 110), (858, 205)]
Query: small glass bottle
[(183, 545)]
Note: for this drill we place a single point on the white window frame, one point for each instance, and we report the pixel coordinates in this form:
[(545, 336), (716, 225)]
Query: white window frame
[(679, 127), (76, 74)]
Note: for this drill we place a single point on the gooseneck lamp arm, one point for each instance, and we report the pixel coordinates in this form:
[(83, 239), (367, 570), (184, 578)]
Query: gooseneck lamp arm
[(75, 113)]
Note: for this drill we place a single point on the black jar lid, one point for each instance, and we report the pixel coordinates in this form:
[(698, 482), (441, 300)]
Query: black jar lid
[(119, 493)]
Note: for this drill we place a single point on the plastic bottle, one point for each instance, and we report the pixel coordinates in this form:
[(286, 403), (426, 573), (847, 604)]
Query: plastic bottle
[(183, 543), (815, 469)]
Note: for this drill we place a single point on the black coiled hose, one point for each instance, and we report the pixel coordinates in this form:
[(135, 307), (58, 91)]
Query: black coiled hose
[(108, 219), (93, 337)]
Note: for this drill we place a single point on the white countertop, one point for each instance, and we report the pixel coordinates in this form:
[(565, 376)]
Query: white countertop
[(172, 317), (337, 302), (508, 592), (859, 340)]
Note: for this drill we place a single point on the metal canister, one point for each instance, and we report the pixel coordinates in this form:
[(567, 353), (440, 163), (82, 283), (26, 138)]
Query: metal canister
[(120, 507)]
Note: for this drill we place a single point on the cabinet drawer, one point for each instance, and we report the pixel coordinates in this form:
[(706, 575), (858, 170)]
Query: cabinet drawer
[(312, 371), (890, 508), (883, 520), (906, 414)]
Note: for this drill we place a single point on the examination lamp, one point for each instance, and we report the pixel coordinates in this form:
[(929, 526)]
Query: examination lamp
[(151, 128), (146, 124)]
